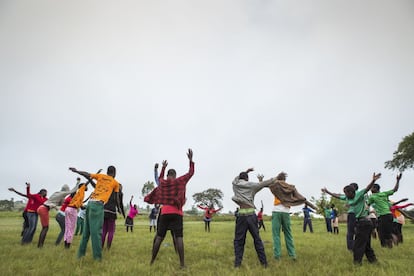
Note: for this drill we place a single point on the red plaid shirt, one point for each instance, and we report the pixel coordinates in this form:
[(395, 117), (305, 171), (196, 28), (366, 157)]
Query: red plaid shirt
[(170, 191)]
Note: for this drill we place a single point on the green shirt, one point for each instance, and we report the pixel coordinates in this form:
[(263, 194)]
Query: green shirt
[(359, 204), (382, 204), (350, 208), (327, 212)]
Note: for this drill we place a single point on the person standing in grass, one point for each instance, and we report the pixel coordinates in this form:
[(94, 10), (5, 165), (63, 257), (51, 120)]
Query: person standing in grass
[(383, 210), (351, 220), (208, 215), (328, 220), (335, 220), (244, 193), (260, 222), (106, 184), (362, 243), (55, 200), (307, 220), (71, 214), (171, 193), (285, 196), (61, 217), (153, 217), (34, 201), (133, 211)]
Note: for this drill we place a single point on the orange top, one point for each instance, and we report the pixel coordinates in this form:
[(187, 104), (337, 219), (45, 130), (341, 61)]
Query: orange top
[(105, 185), (277, 201), (77, 199)]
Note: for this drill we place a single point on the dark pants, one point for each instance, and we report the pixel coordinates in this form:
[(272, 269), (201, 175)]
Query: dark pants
[(350, 231), (328, 225), (61, 221), (385, 230), (244, 223), (362, 243), (29, 232), (307, 221), (25, 222)]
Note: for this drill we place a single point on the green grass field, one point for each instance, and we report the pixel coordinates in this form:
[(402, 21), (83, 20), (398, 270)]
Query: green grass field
[(205, 253)]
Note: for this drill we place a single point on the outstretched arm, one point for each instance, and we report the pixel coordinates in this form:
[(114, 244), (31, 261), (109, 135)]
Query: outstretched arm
[(19, 193), (335, 195), (85, 174)]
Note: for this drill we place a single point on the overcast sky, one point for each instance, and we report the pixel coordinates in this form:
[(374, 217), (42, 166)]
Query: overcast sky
[(320, 89)]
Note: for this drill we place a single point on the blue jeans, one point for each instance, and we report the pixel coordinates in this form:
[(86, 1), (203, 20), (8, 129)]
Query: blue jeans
[(29, 232), (244, 223)]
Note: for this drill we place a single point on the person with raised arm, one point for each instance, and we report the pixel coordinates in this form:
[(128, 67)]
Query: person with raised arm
[(171, 194), (382, 205), (244, 193), (356, 200)]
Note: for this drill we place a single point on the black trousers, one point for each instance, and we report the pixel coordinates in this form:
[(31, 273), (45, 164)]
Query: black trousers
[(244, 223), (362, 243), (385, 229)]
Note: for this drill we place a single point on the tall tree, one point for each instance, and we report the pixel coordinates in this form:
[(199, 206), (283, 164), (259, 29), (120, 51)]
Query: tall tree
[(209, 197), (403, 157)]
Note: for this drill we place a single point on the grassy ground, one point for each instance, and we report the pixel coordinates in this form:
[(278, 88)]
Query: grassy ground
[(205, 253)]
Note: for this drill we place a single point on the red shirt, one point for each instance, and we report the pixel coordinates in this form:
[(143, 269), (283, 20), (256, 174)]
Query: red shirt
[(170, 191), (208, 211), (65, 203), (35, 200)]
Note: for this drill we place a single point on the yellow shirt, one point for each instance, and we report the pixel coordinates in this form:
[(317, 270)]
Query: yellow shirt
[(78, 198), (104, 187)]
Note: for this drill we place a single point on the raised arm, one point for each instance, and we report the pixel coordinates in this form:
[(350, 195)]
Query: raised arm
[(375, 177), (157, 181), (130, 201), (397, 184)]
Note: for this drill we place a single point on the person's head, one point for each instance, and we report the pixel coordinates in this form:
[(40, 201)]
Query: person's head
[(281, 176), (349, 191), (332, 206), (111, 171), (261, 210), (375, 188), (135, 206), (244, 176), (78, 179), (43, 192), (355, 186), (171, 174)]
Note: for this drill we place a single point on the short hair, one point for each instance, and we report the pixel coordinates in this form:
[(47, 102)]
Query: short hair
[(111, 170), (376, 187), (349, 188), (355, 186), (43, 190), (281, 176), (171, 172), (244, 175)]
